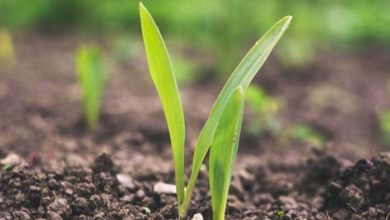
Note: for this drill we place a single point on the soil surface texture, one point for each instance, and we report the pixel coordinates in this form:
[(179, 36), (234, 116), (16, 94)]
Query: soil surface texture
[(316, 188)]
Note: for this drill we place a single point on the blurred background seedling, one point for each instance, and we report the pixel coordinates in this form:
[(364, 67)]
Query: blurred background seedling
[(306, 134), (383, 120), (91, 78), (7, 50), (264, 112), (123, 47), (265, 119), (384, 125)]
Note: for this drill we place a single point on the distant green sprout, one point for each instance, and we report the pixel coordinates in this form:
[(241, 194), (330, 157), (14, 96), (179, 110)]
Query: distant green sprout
[(384, 125), (264, 111), (222, 129), (384, 122), (91, 77), (7, 51), (308, 135)]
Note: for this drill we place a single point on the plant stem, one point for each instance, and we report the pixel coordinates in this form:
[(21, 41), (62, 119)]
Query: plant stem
[(183, 207)]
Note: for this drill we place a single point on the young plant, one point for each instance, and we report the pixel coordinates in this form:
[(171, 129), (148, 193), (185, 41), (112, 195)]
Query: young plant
[(307, 134), (264, 112), (223, 152), (91, 77), (221, 130), (384, 125), (7, 50)]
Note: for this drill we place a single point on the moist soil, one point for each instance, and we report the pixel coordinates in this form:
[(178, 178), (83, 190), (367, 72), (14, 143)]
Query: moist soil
[(316, 188), (61, 170)]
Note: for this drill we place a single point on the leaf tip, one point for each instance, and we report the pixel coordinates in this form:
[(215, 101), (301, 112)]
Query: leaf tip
[(141, 6), (287, 20), (288, 17), (142, 9)]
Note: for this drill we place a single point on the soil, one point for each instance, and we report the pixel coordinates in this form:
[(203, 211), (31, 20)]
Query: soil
[(64, 171), (316, 188)]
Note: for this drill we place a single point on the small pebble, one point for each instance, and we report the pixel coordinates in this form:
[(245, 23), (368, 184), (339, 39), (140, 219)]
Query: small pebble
[(288, 202), (161, 187), (11, 160), (125, 180), (197, 216), (55, 216)]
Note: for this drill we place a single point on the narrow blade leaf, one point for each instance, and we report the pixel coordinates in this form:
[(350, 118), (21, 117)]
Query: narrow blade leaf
[(223, 152), (164, 80), (241, 76)]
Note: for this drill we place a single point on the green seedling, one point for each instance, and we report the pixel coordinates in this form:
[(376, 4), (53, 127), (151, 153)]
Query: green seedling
[(264, 112), (223, 152), (7, 51), (308, 135), (222, 128), (91, 77), (384, 125), (384, 122)]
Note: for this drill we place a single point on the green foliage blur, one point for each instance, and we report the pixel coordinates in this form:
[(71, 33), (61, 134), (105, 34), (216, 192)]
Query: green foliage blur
[(384, 125), (264, 112), (265, 118), (7, 51), (306, 134), (224, 28), (91, 76)]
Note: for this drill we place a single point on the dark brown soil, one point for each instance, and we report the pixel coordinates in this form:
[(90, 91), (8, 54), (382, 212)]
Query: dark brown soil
[(65, 175), (316, 188), (339, 94)]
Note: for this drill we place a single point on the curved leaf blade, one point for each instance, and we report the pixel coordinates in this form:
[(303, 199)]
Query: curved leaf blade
[(241, 76), (164, 80), (223, 152)]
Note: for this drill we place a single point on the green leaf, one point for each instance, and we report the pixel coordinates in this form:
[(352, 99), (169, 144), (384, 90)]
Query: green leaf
[(384, 125), (241, 76), (223, 152), (90, 72), (164, 80)]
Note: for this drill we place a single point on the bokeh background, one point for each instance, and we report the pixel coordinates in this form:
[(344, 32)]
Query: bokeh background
[(327, 82)]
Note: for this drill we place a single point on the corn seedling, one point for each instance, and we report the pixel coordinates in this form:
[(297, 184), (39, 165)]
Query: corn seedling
[(264, 112), (307, 134), (384, 125), (221, 130), (91, 77), (7, 51)]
